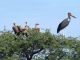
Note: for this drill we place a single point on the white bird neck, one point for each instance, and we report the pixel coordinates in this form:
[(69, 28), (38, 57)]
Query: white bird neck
[(69, 19)]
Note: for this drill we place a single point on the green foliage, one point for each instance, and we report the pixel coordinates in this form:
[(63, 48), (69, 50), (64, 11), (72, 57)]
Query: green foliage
[(12, 46), (72, 47)]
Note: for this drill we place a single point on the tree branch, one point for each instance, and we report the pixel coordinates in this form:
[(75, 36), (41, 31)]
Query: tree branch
[(37, 51)]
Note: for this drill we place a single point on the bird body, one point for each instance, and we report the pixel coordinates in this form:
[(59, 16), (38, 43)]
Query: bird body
[(65, 22)]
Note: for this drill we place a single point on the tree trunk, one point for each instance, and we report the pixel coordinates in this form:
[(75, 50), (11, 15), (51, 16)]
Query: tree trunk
[(29, 57), (29, 53)]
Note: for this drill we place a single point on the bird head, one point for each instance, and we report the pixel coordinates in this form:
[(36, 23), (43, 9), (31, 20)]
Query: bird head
[(14, 23), (26, 22), (36, 24), (70, 15)]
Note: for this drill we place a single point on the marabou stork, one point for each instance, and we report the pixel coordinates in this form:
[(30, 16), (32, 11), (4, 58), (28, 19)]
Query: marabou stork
[(65, 22)]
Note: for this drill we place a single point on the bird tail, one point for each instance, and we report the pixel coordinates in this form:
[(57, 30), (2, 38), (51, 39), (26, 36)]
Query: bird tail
[(58, 30)]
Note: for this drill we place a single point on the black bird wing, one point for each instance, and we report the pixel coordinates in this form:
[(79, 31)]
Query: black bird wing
[(62, 25)]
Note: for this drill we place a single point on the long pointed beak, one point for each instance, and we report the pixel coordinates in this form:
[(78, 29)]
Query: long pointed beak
[(73, 16), (70, 15)]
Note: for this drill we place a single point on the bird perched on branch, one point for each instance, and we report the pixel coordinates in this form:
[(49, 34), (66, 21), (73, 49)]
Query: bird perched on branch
[(37, 29), (65, 22)]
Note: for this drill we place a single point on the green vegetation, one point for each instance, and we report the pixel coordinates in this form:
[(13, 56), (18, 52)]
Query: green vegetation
[(59, 47)]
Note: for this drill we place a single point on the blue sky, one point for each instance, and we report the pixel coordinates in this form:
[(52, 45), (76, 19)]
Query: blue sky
[(48, 13)]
